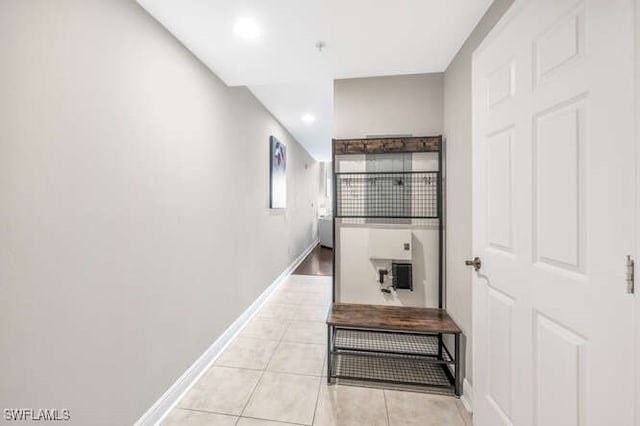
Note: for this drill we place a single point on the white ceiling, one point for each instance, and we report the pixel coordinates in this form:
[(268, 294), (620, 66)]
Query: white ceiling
[(284, 69)]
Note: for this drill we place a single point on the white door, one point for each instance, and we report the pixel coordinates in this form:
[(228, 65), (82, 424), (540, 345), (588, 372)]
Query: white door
[(553, 119)]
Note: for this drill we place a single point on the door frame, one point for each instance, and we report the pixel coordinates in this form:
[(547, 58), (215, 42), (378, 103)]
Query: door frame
[(636, 254)]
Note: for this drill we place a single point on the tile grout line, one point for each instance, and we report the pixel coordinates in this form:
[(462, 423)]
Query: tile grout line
[(288, 322), (386, 408), (263, 371), (238, 417), (273, 421), (298, 306), (253, 391), (277, 372), (206, 411), (315, 407)]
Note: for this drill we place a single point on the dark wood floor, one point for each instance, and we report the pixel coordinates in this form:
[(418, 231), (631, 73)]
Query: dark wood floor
[(318, 262)]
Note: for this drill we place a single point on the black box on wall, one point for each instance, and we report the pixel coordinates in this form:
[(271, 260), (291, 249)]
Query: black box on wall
[(402, 276)]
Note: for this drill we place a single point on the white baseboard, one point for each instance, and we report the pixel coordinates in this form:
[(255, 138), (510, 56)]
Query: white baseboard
[(467, 396), (166, 402)]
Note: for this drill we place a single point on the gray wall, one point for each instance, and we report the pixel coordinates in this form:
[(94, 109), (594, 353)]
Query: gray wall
[(457, 132), (406, 104), (134, 220)]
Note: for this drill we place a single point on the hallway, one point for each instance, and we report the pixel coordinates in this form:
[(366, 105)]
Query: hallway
[(273, 374), (318, 262)]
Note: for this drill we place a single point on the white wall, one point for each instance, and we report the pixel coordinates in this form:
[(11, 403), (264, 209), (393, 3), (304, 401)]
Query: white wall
[(357, 272), (457, 132), (410, 104), (134, 220), (406, 104)]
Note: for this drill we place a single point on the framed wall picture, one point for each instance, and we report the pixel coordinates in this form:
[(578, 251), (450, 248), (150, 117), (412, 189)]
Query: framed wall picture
[(278, 174)]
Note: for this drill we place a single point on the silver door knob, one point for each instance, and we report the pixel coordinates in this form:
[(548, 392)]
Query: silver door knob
[(476, 263)]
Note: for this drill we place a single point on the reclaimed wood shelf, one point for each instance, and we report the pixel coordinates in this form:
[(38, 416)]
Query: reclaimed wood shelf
[(392, 344), (387, 145), (397, 318)]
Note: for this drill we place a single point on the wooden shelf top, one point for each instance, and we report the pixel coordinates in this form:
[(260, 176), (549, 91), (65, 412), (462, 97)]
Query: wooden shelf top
[(387, 145), (392, 318)]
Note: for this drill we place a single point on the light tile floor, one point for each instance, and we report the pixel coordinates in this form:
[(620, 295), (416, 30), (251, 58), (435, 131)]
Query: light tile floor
[(272, 375)]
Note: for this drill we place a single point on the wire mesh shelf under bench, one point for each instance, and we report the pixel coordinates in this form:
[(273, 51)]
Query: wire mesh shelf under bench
[(392, 344)]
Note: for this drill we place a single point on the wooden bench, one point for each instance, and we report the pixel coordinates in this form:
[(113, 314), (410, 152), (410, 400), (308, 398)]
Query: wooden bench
[(392, 344)]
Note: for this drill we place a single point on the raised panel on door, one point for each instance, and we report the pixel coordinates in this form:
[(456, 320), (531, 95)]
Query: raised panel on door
[(499, 191), (560, 375), (501, 84), (499, 367), (559, 185), (559, 45)]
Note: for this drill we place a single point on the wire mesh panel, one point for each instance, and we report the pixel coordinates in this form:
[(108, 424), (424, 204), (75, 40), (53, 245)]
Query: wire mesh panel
[(392, 343), (407, 370), (387, 195)]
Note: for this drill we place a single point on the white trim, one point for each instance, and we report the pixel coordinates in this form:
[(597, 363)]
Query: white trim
[(636, 254), (166, 402), (467, 396)]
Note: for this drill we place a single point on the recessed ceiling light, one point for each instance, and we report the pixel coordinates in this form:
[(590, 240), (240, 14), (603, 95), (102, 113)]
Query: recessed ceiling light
[(247, 28), (308, 118)]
